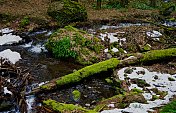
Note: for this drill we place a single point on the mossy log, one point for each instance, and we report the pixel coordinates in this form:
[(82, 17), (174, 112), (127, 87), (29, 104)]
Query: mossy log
[(65, 108), (77, 76)]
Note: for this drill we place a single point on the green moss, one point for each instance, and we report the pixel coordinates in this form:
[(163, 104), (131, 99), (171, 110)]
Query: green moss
[(25, 21), (154, 97), (169, 108), (137, 90), (147, 47), (88, 71), (76, 95), (109, 81), (98, 108), (158, 55), (65, 108), (158, 92), (45, 87), (121, 100)]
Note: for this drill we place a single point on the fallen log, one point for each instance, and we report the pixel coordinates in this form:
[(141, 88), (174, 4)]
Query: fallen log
[(77, 76)]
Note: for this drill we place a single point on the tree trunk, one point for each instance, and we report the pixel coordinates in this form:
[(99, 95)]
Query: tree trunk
[(98, 4), (153, 3), (124, 3)]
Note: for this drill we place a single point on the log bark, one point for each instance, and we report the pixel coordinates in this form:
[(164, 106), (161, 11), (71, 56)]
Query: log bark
[(77, 76)]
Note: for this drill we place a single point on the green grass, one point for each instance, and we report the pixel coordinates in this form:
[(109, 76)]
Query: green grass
[(169, 108)]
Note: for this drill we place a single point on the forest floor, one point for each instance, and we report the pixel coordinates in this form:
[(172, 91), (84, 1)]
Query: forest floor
[(37, 9)]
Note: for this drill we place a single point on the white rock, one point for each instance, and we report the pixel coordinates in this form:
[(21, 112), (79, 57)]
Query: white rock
[(6, 30), (11, 56), (6, 91), (106, 50), (153, 34), (115, 50), (9, 39), (111, 105)]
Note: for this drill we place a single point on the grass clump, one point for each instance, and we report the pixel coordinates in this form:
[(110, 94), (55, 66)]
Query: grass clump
[(65, 108)]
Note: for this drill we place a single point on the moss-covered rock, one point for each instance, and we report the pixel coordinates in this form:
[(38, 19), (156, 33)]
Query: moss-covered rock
[(121, 100), (76, 95), (70, 42), (67, 11), (65, 108)]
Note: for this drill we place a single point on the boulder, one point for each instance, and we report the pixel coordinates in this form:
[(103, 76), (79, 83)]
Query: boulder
[(67, 11), (69, 42)]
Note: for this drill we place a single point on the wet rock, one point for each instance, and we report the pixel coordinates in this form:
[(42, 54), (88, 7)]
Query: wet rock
[(155, 77), (128, 70), (171, 79), (108, 55), (140, 82), (141, 72)]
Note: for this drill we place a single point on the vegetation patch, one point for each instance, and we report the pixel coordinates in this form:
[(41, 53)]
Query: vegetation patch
[(25, 21), (169, 108), (69, 42)]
